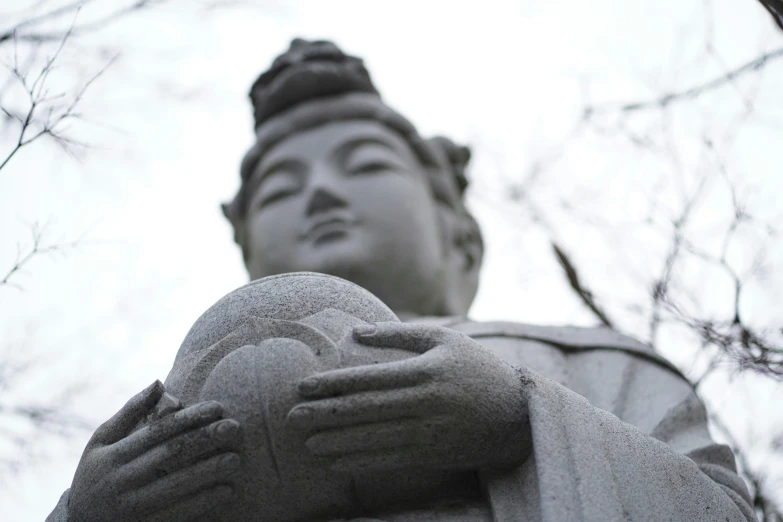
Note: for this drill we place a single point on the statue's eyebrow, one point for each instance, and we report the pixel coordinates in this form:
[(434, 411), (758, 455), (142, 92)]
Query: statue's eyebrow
[(349, 146), (282, 163)]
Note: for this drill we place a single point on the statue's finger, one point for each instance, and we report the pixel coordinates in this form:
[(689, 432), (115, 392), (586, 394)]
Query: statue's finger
[(182, 421), (368, 407), (369, 438), (196, 505), (181, 484), (384, 376), (177, 452), (138, 407), (417, 338)]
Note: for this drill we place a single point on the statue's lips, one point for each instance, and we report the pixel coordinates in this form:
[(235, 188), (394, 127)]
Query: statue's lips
[(327, 228)]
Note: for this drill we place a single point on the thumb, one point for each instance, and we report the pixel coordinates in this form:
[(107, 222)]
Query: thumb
[(413, 337), (138, 407)]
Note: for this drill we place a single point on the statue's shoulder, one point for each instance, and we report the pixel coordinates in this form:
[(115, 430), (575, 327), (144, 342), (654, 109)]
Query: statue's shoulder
[(573, 337), (567, 338)]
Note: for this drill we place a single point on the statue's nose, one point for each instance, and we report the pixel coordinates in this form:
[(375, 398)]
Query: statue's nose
[(323, 201)]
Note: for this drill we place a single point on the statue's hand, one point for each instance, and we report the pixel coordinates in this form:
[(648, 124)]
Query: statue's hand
[(175, 469), (454, 406)]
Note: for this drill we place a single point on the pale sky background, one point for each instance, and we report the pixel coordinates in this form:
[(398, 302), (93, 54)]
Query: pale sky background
[(170, 121)]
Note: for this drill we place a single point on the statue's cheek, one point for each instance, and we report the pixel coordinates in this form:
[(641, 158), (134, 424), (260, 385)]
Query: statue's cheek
[(279, 479)]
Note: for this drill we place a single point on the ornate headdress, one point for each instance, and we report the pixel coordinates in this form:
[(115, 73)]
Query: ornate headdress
[(314, 83)]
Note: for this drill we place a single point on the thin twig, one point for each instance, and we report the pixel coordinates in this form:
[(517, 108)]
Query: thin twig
[(688, 94), (100, 23), (761, 501), (37, 249), (585, 295), (57, 115), (775, 8)]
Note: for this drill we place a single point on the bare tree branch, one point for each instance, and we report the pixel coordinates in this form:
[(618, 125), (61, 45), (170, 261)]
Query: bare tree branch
[(585, 295), (31, 112), (67, 9), (688, 94), (660, 288), (775, 8), (699, 237), (29, 29), (765, 506), (58, 112), (24, 422), (37, 249)]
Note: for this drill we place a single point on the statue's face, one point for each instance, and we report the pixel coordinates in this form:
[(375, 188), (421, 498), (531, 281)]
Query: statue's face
[(350, 199)]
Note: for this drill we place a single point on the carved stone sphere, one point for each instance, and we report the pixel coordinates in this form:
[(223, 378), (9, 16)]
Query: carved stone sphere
[(249, 352)]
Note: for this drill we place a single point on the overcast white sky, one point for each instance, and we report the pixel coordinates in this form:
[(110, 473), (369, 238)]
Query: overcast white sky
[(170, 121)]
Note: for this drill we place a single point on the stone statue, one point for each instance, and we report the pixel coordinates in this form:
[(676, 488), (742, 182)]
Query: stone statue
[(345, 382)]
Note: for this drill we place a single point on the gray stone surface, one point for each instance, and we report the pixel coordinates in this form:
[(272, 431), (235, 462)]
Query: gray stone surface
[(302, 397), (257, 371)]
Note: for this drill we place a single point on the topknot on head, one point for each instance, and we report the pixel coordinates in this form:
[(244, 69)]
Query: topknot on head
[(307, 70)]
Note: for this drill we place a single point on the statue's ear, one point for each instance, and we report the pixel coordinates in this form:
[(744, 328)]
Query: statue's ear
[(230, 211), (471, 243), (465, 265), (226, 208)]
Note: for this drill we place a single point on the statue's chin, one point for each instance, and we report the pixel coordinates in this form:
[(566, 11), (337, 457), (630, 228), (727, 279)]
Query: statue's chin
[(347, 264), (339, 255)]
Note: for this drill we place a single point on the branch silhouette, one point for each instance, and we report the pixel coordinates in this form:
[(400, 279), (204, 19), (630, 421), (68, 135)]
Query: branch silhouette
[(692, 93), (585, 295)]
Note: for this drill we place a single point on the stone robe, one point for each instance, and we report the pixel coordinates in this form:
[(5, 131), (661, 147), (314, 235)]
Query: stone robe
[(618, 434)]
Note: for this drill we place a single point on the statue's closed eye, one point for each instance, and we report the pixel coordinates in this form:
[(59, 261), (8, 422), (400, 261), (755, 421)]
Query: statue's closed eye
[(371, 167), (373, 158), (278, 185)]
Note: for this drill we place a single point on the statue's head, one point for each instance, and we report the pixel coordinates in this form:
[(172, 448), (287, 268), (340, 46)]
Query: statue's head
[(339, 183)]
